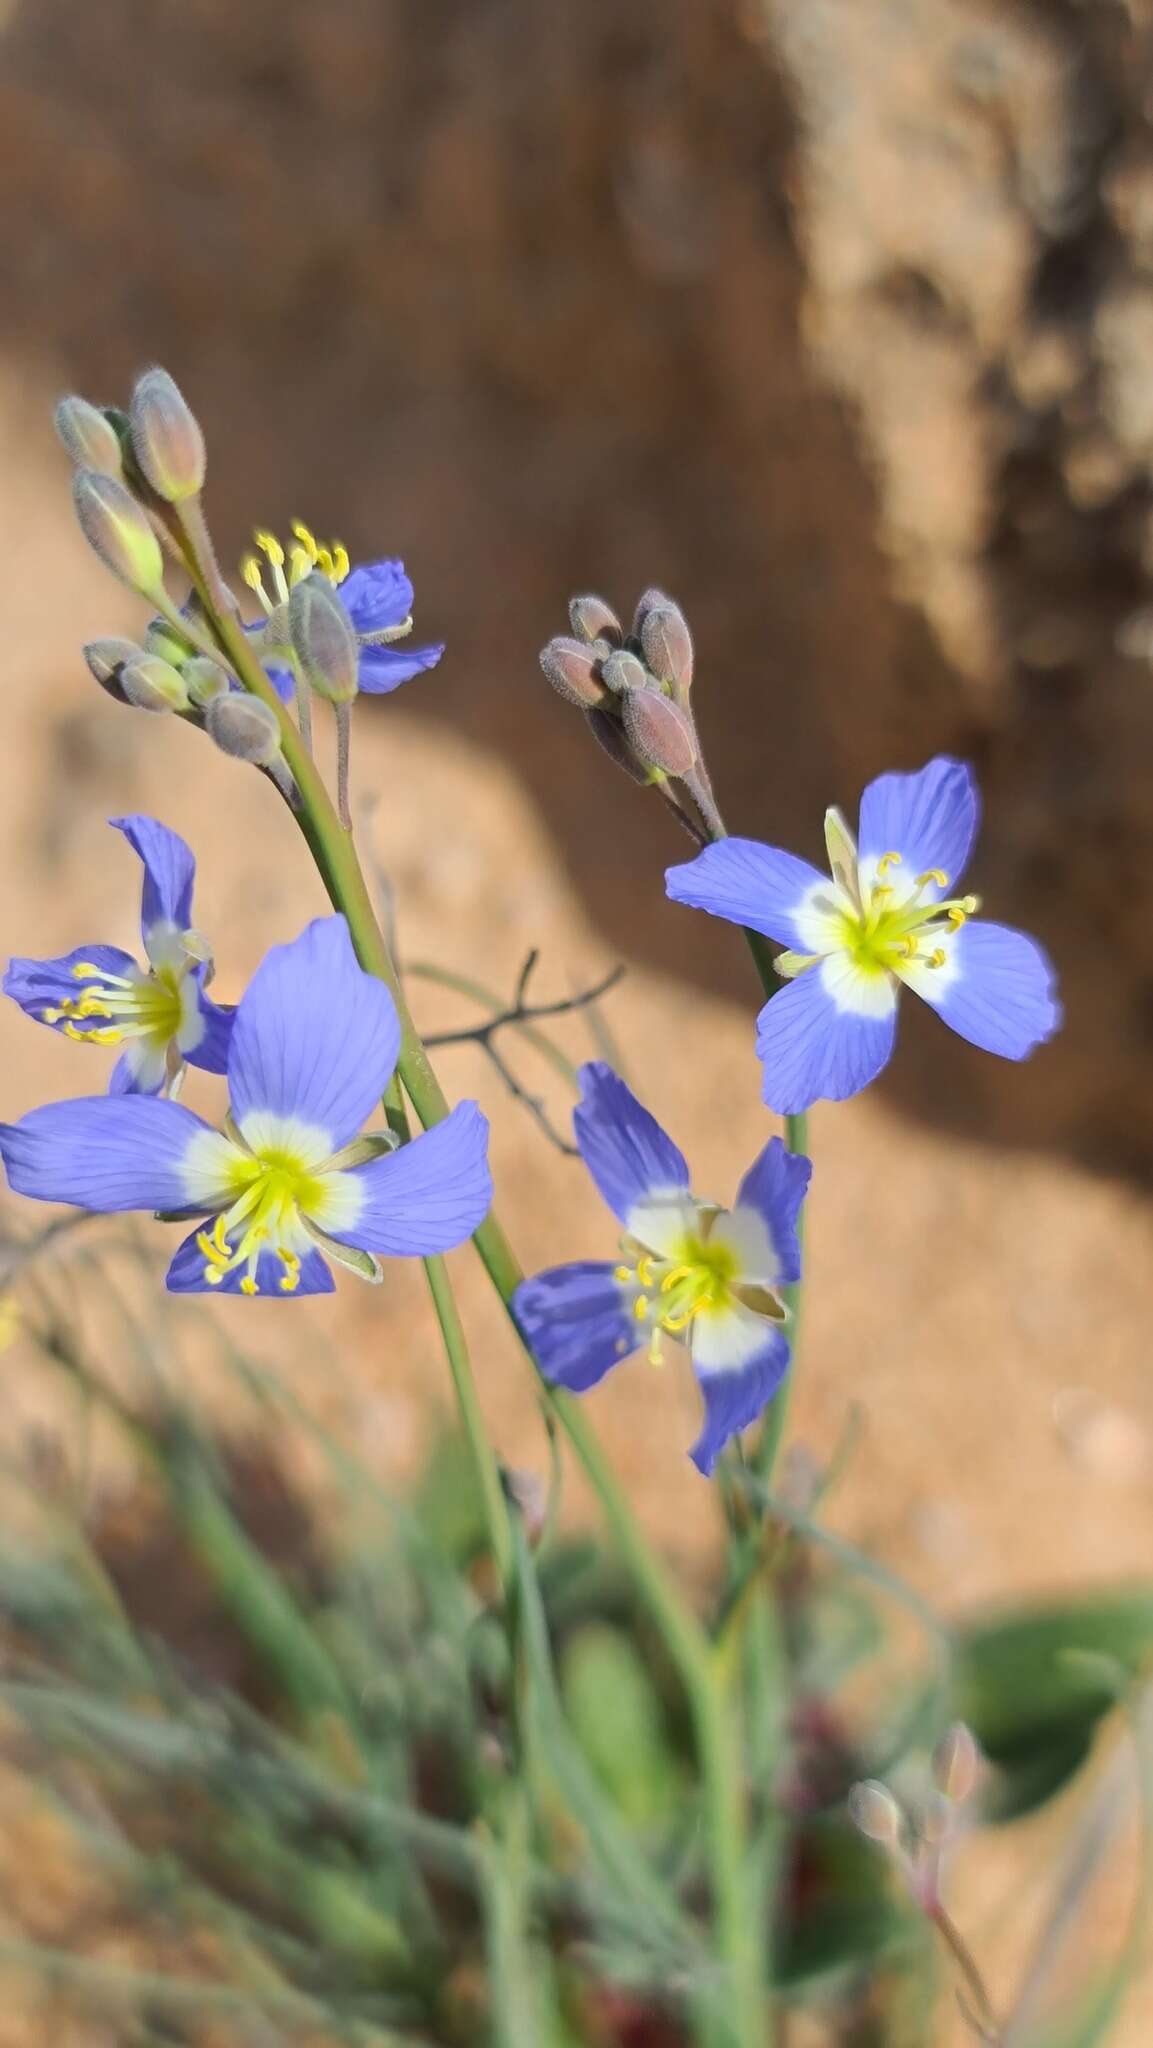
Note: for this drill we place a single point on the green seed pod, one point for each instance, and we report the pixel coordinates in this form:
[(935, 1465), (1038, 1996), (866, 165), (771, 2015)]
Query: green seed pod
[(592, 619), (153, 685), (117, 530), (659, 732), (166, 437), (107, 660), (569, 666), (88, 437), (324, 639), (204, 680), (244, 727)]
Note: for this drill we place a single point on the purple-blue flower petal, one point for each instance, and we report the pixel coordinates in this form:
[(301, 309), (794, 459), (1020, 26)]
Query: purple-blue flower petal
[(39, 985), (104, 1152), (315, 1037), (430, 1194), (930, 818), (775, 1186), (811, 1050), (1003, 996), (186, 1275), (283, 682), (734, 1400), (749, 884), (377, 595), (385, 668), (210, 1053), (627, 1153), (575, 1322), (169, 873)]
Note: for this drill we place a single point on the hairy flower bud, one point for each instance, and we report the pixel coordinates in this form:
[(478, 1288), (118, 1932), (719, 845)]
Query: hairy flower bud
[(569, 666), (660, 733), (166, 437), (592, 619), (244, 727), (667, 644), (107, 660), (204, 680), (606, 729), (956, 1762), (117, 530), (88, 437), (622, 671), (324, 639), (153, 685), (874, 1811)]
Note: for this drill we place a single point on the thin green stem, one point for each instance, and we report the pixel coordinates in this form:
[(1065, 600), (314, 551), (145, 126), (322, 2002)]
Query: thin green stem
[(464, 1385)]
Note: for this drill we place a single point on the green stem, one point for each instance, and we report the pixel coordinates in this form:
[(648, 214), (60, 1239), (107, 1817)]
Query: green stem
[(464, 1385)]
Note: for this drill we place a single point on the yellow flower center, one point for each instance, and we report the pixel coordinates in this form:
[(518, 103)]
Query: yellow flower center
[(288, 567), (139, 1006), (272, 1187), (885, 936), (676, 1288)]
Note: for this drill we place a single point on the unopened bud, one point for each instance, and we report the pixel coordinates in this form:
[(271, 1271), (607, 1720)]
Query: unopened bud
[(107, 660), (529, 1496), (569, 666), (937, 1820), (668, 644), (956, 1762), (204, 680), (874, 1811), (117, 530), (88, 437), (607, 730), (592, 619), (661, 734), (622, 671), (244, 727), (154, 685), (649, 600), (166, 437), (324, 639), (163, 639)]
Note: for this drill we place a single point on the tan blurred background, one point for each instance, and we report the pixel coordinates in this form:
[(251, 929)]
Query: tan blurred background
[(834, 317)]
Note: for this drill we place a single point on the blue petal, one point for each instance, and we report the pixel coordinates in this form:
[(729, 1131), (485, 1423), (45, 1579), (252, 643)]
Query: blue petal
[(315, 1037), (186, 1275), (749, 884), (1003, 995), (929, 818), (283, 682), (575, 1323), (814, 1051), (628, 1155), (775, 1186), (377, 595), (169, 872), (103, 1152), (39, 985), (734, 1400), (211, 1052), (428, 1196), (384, 668)]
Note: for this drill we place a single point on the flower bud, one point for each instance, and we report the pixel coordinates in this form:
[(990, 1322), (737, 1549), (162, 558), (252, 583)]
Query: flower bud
[(107, 660), (569, 666), (660, 733), (592, 619), (166, 437), (667, 644), (874, 1811), (117, 530), (204, 680), (956, 1762), (649, 600), (607, 731), (88, 437), (153, 685), (244, 727), (324, 639), (622, 671)]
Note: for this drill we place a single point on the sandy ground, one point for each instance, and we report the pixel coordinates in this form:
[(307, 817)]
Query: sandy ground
[(989, 1313)]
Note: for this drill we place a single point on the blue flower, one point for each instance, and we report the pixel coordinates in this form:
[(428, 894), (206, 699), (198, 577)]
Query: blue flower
[(708, 1275), (159, 1013), (287, 1184), (886, 919), (376, 595)]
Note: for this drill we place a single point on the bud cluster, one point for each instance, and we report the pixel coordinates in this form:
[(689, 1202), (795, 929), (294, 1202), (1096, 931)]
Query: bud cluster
[(917, 1838), (633, 687)]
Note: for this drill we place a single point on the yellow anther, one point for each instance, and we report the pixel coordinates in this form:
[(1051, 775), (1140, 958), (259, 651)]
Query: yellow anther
[(645, 1271), (970, 905), (340, 561), (105, 1034), (936, 875), (216, 1256), (213, 1276), (324, 562), (937, 957), (86, 970), (52, 1016), (299, 566), (622, 1274), (887, 861), (248, 1285), (306, 538), (641, 1307), (270, 546), (674, 1274), (957, 916), (909, 944), (73, 1031), (220, 1236), (250, 570)]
